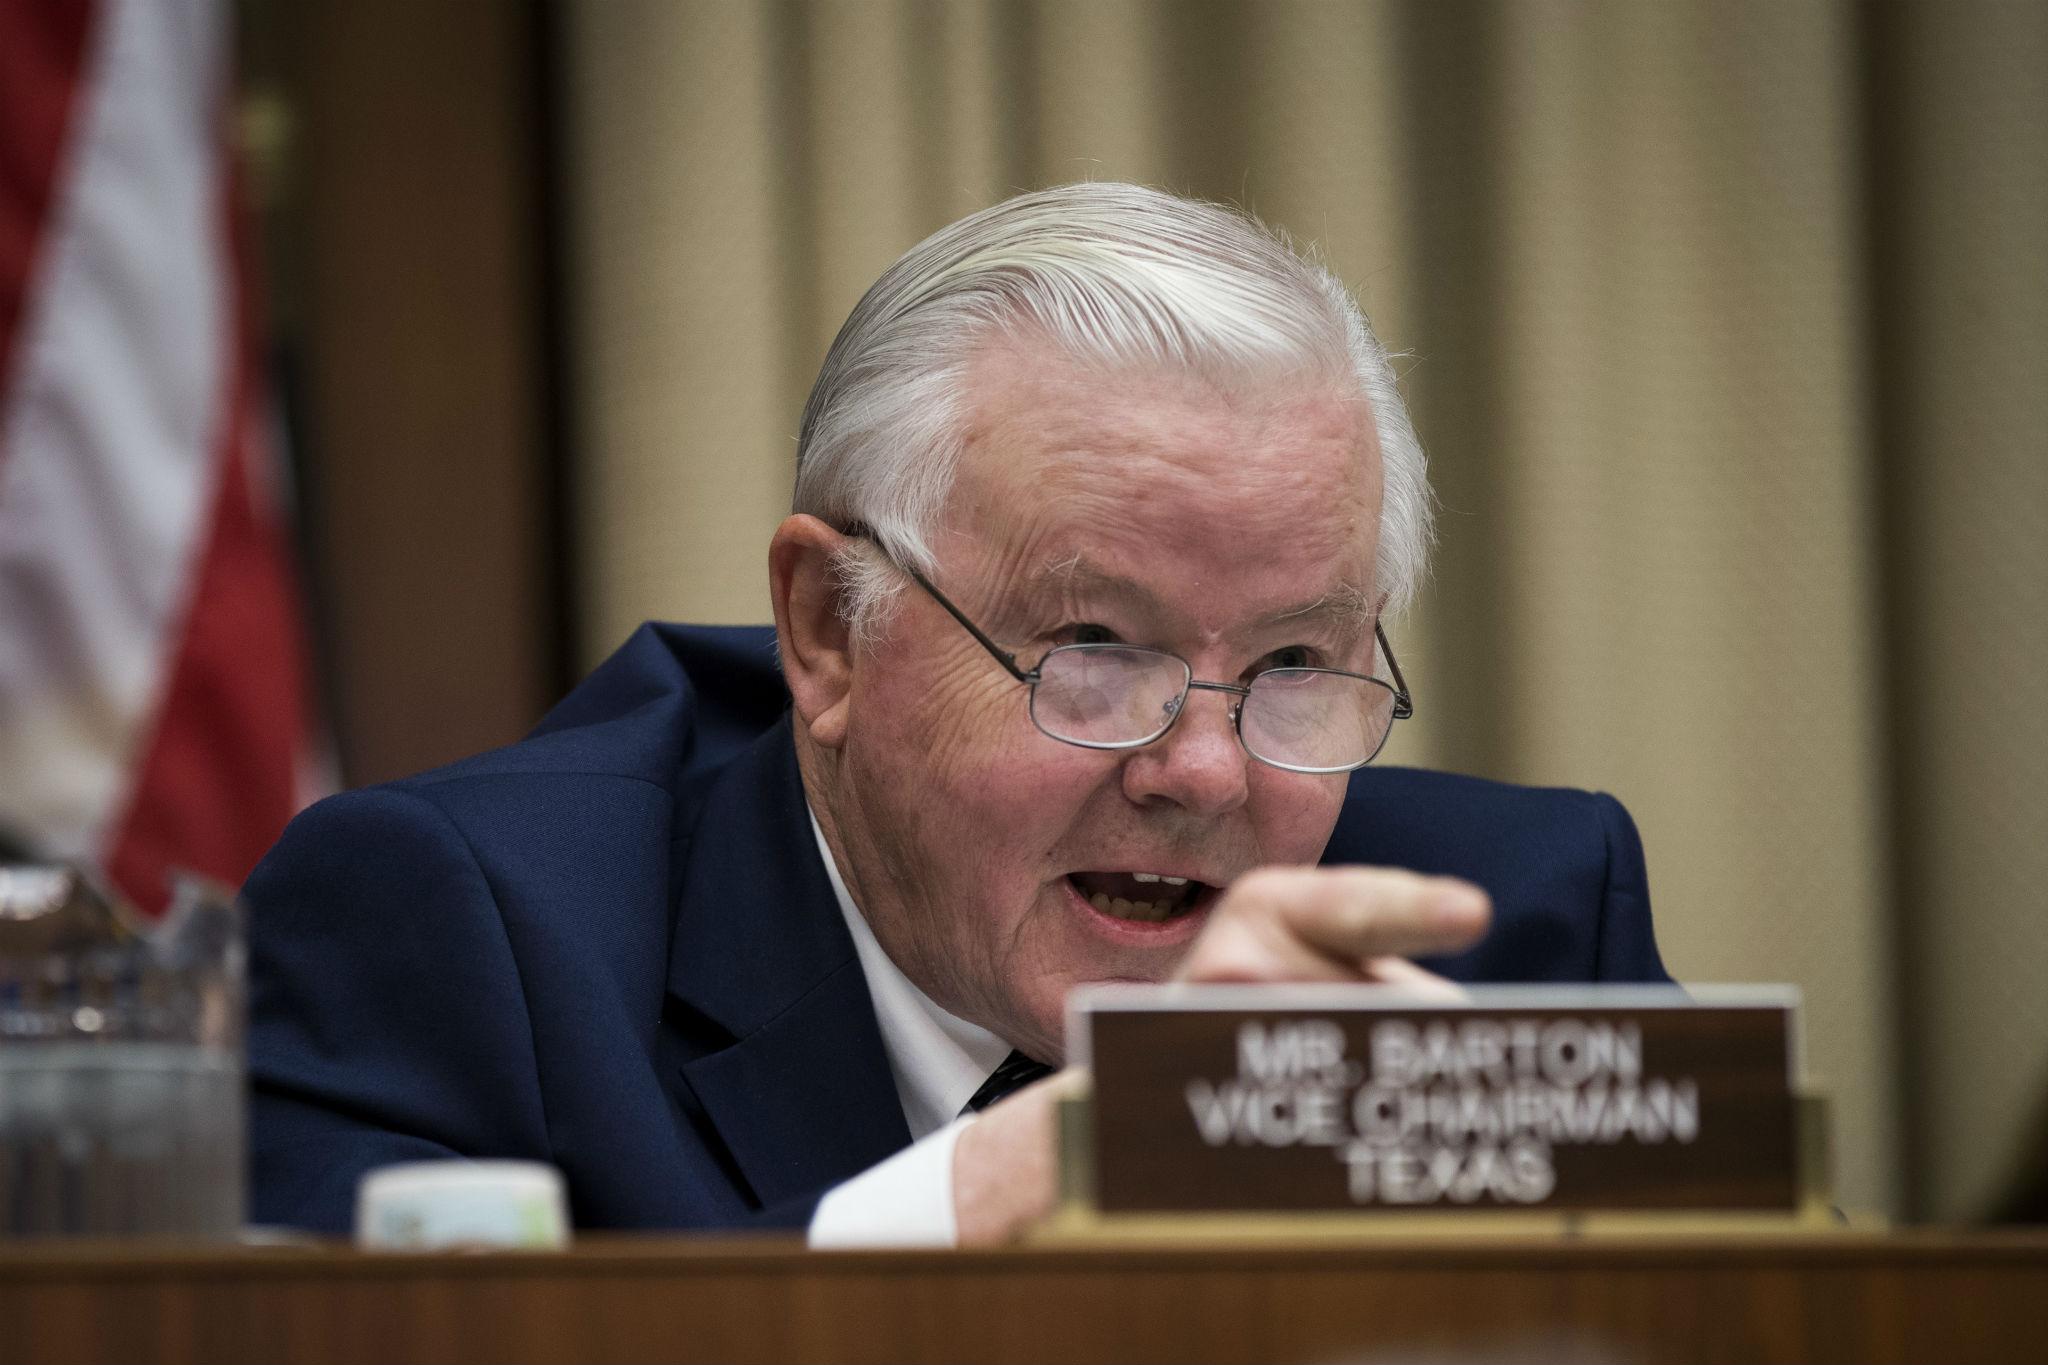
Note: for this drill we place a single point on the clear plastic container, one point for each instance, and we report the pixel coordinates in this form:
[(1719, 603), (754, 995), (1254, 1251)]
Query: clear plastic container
[(122, 1107)]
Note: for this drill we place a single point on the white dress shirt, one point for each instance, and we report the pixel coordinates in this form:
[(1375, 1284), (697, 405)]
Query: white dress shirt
[(938, 1060)]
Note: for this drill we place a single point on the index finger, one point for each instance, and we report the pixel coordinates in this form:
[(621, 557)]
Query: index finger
[(1359, 912)]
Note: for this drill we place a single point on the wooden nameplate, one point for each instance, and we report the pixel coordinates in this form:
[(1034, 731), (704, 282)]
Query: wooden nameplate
[(1340, 1110)]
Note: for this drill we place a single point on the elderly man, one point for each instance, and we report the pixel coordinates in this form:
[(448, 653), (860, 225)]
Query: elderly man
[(1102, 498)]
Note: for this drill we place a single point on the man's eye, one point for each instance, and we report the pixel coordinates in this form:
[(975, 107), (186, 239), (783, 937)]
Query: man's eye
[(1293, 656), (1088, 633)]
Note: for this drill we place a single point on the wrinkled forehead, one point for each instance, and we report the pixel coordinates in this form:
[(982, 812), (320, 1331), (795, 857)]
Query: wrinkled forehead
[(1026, 402), (1081, 478)]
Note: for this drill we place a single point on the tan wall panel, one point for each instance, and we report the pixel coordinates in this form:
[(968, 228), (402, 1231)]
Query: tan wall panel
[(1096, 90), (1685, 530), (868, 144), (975, 103), (675, 156), (1969, 346)]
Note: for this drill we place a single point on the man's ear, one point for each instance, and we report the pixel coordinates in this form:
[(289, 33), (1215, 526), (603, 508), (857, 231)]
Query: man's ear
[(817, 649)]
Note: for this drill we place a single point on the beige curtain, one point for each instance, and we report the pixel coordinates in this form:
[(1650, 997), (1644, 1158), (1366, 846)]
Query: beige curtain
[(1727, 336)]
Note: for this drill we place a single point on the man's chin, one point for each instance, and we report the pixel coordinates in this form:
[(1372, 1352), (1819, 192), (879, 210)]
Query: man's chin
[(1089, 948), (1048, 1027)]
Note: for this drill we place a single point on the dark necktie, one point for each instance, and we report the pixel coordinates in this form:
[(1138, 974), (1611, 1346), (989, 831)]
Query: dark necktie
[(1016, 1072)]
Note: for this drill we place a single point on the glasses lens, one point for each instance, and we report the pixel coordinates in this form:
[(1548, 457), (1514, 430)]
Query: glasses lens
[(1317, 720), (1107, 694)]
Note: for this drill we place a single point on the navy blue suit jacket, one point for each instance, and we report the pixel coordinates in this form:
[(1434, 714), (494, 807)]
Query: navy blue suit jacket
[(612, 946)]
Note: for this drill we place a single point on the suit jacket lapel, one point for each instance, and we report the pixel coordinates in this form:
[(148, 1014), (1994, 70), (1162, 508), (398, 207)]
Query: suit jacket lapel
[(803, 1098)]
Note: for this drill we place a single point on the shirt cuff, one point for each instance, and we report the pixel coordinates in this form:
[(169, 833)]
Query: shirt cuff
[(906, 1201)]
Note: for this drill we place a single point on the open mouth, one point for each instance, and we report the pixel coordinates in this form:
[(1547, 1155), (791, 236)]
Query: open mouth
[(1143, 897)]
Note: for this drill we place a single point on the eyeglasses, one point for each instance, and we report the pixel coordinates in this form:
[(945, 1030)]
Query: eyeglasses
[(1112, 696)]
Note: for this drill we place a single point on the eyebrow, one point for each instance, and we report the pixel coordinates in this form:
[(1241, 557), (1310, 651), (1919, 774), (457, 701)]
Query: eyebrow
[(1344, 604)]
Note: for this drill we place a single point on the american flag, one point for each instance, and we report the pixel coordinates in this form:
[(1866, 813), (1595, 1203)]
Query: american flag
[(153, 691)]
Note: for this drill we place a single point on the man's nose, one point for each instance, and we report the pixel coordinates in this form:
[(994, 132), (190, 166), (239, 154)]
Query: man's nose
[(1197, 765)]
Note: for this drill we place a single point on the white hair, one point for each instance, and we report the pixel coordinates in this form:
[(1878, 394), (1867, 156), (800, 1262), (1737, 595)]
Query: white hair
[(1112, 274)]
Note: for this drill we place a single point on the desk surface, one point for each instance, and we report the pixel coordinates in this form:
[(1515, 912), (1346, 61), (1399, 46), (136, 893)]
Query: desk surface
[(1903, 1297)]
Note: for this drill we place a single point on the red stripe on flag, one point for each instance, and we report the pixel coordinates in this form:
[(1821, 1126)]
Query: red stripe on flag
[(217, 780), (42, 48)]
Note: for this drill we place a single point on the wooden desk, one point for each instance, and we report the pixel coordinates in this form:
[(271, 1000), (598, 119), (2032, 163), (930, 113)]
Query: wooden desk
[(1913, 1297)]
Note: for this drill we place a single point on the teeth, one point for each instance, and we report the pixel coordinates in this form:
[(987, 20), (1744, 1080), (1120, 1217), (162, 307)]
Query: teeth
[(1144, 876), (1147, 912), (1172, 881)]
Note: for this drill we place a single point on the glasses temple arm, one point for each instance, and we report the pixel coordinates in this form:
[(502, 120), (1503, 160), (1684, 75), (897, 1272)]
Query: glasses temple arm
[(1404, 705), (1001, 655)]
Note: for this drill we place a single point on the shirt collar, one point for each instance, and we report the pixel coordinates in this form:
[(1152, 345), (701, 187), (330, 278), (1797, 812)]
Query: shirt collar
[(938, 1059)]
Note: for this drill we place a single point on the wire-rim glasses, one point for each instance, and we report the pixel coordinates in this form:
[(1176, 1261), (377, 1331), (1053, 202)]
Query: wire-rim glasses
[(1118, 696)]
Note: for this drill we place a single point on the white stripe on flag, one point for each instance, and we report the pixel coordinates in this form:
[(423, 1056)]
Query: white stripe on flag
[(109, 424)]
